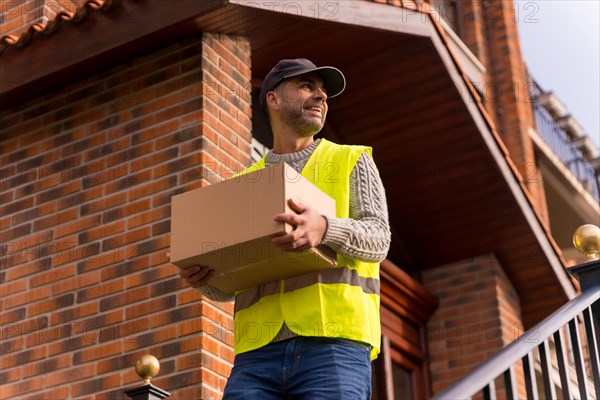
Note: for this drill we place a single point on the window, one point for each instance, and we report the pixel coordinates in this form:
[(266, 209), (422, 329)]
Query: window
[(261, 129), (391, 380)]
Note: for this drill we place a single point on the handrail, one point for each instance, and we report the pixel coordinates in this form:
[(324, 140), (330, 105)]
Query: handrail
[(497, 365)]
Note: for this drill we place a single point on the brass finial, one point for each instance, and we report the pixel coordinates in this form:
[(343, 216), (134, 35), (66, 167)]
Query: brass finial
[(147, 367), (586, 239)]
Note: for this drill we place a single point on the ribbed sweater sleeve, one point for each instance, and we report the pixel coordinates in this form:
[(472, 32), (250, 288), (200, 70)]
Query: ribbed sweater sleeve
[(366, 234)]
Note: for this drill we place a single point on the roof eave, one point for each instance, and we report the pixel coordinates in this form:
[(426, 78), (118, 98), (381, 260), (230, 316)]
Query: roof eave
[(89, 41)]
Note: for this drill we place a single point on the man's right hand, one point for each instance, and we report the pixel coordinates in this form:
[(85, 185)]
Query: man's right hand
[(197, 275)]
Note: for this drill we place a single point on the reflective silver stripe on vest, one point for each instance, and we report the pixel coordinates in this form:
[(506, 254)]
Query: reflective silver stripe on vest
[(251, 296), (344, 275)]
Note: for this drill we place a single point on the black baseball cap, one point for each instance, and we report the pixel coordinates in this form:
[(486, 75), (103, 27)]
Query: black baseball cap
[(333, 79)]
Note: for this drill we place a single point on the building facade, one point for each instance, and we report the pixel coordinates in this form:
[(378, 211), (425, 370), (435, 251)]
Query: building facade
[(110, 107)]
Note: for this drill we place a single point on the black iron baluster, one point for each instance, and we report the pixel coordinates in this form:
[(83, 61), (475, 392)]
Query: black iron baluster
[(489, 392), (530, 379), (563, 366), (510, 384), (546, 363), (592, 348), (578, 357)]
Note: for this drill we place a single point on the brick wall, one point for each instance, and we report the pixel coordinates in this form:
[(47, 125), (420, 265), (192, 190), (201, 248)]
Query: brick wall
[(86, 177), (490, 30), (479, 314), (513, 109)]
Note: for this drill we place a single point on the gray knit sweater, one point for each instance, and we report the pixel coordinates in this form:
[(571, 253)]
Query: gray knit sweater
[(365, 235)]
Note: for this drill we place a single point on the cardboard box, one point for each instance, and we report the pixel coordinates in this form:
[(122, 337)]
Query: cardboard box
[(228, 226)]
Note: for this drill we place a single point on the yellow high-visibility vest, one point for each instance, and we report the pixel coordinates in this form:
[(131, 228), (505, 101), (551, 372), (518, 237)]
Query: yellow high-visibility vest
[(339, 302)]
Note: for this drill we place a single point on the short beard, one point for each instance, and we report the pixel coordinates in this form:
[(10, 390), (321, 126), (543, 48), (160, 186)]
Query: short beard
[(294, 118)]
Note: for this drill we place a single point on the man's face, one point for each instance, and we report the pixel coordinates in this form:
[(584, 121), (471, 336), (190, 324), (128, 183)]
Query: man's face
[(303, 103)]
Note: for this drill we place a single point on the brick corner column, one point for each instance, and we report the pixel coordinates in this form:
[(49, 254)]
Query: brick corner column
[(479, 314), (226, 132), (511, 102)]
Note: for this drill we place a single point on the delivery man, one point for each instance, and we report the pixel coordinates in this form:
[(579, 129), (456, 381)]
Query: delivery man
[(312, 336)]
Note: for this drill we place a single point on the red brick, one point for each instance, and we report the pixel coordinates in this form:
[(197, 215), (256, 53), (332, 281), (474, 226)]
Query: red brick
[(104, 203), (8, 376), (159, 258), (97, 352), (174, 315), (74, 283), (12, 315), (101, 232), (183, 135), (181, 163), (53, 275), (191, 119), (127, 210), (226, 353), (58, 192), (100, 290), (29, 296), (214, 314), (73, 375), (226, 306), (76, 226), (13, 287), (23, 327), (152, 306), (188, 295), (150, 275), (47, 366), (23, 357), (32, 243), (148, 217), (27, 269), (10, 391), (80, 198), (75, 313), (146, 339), (55, 393), (104, 259), (56, 219), (126, 238), (50, 304), (124, 298), (89, 327), (155, 131)]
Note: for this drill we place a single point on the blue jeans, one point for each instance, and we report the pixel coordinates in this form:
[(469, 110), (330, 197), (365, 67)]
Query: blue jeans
[(302, 368)]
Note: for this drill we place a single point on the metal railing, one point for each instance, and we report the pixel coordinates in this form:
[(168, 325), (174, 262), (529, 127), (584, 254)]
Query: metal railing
[(558, 140), (564, 345)]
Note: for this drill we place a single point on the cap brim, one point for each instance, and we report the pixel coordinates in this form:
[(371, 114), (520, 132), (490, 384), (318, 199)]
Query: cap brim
[(333, 79)]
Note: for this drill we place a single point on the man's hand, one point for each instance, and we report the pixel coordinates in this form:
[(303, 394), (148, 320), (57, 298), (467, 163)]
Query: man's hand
[(309, 228), (197, 275)]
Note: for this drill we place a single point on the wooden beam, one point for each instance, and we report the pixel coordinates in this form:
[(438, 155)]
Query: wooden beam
[(358, 13)]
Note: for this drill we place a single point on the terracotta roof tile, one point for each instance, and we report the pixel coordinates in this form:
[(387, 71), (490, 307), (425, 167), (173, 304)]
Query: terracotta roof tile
[(51, 26)]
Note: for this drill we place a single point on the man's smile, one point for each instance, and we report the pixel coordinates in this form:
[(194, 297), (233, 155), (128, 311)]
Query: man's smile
[(315, 109)]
